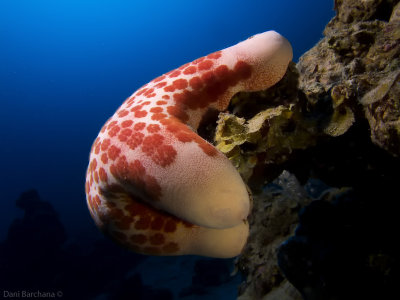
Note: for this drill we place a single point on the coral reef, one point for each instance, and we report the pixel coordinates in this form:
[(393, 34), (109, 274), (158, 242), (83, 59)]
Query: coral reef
[(357, 65), (372, 174), (264, 129), (350, 76), (331, 125), (279, 203)]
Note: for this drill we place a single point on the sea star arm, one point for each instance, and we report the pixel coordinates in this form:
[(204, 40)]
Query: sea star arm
[(156, 186)]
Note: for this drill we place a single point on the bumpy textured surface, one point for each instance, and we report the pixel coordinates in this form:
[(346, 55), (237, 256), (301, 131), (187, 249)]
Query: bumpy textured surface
[(333, 117), (349, 78), (357, 65), (156, 186), (280, 203)]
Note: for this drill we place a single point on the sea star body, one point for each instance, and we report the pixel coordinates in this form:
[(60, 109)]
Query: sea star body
[(153, 184)]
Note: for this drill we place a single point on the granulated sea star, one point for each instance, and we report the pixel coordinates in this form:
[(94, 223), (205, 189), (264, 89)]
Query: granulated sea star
[(157, 187)]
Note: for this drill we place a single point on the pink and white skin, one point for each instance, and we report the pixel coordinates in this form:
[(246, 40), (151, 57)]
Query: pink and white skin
[(153, 184)]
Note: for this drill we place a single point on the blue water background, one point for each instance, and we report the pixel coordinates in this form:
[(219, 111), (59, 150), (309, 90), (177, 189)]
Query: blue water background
[(66, 66)]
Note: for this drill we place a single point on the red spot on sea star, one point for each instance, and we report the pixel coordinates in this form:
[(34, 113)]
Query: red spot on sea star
[(134, 208), (209, 78), (169, 88), (170, 226), (192, 100), (242, 69), (205, 65), (180, 84), (124, 223), (123, 113), (160, 85), (112, 123), (135, 140), (125, 134), (126, 131), (184, 137), (152, 187), (178, 112), (152, 128), (157, 223), (215, 55), (139, 126), (130, 173), (207, 148), (138, 239), (97, 148), (222, 71), (156, 109), (179, 129), (174, 73), (199, 60), (104, 158), (91, 179), (158, 116), (126, 123), (143, 223), (149, 91), (140, 113), (151, 142), (103, 174), (113, 131), (171, 248), (138, 168), (159, 78), (157, 239), (105, 144), (130, 101), (113, 152), (93, 165), (196, 83), (137, 107), (96, 177), (190, 70), (159, 152), (141, 91), (96, 201)]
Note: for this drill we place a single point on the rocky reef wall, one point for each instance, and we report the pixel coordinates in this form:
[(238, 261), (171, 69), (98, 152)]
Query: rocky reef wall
[(320, 150)]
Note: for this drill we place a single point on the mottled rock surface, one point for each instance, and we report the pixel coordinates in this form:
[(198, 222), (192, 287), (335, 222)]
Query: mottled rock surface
[(357, 66), (279, 203), (351, 76), (333, 121)]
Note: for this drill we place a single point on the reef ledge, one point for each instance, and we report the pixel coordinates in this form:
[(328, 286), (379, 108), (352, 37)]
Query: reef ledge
[(320, 151)]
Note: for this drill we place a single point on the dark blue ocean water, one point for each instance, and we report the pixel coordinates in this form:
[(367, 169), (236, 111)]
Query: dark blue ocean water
[(65, 67)]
